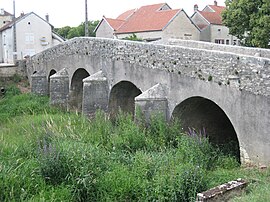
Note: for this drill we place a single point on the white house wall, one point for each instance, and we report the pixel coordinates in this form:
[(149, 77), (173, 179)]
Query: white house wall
[(33, 35), (221, 32), (104, 30), (1, 49), (7, 46), (181, 28), (55, 42)]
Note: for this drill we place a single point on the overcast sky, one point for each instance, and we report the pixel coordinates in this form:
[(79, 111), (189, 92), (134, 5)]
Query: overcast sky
[(71, 12)]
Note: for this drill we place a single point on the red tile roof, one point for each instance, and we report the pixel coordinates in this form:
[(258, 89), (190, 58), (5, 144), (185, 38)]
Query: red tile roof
[(148, 18), (213, 17), (126, 15), (217, 9), (114, 23)]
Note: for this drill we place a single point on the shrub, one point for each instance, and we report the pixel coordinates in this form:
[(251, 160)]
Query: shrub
[(53, 162)]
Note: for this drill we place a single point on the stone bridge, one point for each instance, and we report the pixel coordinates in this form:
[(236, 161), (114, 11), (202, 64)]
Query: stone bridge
[(227, 94)]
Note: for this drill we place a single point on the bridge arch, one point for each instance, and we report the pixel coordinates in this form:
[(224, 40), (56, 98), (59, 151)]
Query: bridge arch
[(76, 89), (203, 114), (122, 96), (52, 72)]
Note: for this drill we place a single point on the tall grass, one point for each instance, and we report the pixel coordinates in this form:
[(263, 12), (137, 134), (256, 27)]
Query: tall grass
[(50, 155)]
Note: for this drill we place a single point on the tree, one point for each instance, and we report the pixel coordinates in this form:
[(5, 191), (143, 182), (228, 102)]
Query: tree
[(71, 32), (249, 20), (63, 31)]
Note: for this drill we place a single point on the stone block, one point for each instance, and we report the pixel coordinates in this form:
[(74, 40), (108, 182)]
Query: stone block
[(95, 94), (59, 88)]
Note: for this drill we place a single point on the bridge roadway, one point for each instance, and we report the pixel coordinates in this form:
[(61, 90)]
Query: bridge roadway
[(224, 93)]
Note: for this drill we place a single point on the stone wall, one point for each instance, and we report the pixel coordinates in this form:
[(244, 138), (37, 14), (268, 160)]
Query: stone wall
[(241, 71), (7, 70), (258, 52)]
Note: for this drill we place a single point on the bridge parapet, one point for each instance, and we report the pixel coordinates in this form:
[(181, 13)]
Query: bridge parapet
[(242, 50), (207, 65)]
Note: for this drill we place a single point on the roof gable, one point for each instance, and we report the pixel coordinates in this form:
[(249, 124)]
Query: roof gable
[(217, 9), (21, 17), (212, 14), (115, 23), (212, 17)]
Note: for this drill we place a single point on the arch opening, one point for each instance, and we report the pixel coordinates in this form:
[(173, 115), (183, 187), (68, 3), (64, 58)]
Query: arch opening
[(122, 97), (76, 89), (52, 72), (203, 114)]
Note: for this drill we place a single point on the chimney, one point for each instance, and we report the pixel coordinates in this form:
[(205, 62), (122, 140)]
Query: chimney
[(47, 17), (2, 12), (215, 3), (196, 7)]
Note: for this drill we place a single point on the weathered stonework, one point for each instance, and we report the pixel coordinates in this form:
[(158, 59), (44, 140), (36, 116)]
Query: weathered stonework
[(153, 102), (223, 192), (59, 88), (253, 72), (241, 50), (95, 94), (39, 85)]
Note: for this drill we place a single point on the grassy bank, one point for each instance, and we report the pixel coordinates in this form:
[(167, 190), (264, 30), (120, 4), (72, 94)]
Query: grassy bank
[(50, 155)]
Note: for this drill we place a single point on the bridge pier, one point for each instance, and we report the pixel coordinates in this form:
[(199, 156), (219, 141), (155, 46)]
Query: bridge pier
[(152, 102), (95, 93), (59, 88), (39, 83)]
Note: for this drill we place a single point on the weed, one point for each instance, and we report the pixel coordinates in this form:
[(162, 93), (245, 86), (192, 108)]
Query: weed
[(50, 155)]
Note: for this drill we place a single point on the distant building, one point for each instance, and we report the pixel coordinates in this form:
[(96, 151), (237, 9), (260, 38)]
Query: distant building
[(209, 20), (33, 35), (150, 23), (5, 17)]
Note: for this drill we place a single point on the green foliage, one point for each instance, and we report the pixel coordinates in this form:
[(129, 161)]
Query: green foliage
[(49, 155), (16, 104), (70, 32), (133, 37), (64, 31), (249, 20)]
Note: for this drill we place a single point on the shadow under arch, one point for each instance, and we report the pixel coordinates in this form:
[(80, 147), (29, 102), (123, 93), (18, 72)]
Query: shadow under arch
[(52, 72), (76, 89), (203, 114), (122, 97)]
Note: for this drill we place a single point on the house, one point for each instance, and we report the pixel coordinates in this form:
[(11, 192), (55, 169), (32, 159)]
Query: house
[(32, 33), (107, 26), (209, 20), (150, 23)]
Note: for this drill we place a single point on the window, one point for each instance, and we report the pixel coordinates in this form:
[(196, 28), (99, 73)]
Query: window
[(227, 41), (29, 38), (219, 41)]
